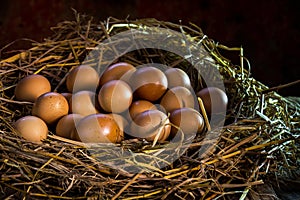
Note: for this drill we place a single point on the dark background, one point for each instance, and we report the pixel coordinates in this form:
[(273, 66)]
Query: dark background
[(267, 30)]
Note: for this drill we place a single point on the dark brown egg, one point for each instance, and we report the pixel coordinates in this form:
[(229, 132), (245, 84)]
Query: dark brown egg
[(214, 99), (115, 72), (140, 106), (115, 96), (122, 123), (177, 77), (83, 77), (149, 83), (151, 124), (177, 97), (98, 128), (189, 120), (50, 107)]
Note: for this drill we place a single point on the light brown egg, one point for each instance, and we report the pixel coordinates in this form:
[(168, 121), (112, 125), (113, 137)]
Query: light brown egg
[(50, 107), (149, 83), (84, 103), (189, 120), (83, 77), (214, 99), (115, 96), (177, 77), (66, 124), (31, 87), (32, 128), (140, 106), (115, 72), (98, 128), (177, 97), (149, 124)]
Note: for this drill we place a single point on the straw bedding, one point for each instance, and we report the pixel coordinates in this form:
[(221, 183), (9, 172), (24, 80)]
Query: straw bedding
[(257, 148)]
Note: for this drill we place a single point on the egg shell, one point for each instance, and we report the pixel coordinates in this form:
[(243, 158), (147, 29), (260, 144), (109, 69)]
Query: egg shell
[(149, 83), (31, 87), (122, 123), (67, 95), (127, 76), (214, 100), (84, 103), (115, 96), (98, 128), (177, 77), (83, 77), (66, 124), (149, 124), (32, 128), (115, 72), (140, 106), (177, 97), (50, 107), (189, 120)]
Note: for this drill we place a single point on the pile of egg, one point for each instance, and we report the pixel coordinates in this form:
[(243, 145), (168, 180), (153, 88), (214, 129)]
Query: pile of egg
[(124, 102)]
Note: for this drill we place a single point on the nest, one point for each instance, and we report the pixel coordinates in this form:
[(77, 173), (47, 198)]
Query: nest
[(258, 143)]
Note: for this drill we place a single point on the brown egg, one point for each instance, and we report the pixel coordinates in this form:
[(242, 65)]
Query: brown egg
[(189, 120), (177, 97), (115, 72), (149, 83), (140, 106), (31, 87), (127, 76), (84, 103), (149, 124), (122, 123), (50, 107), (115, 96), (66, 125), (83, 77), (214, 99), (98, 128), (32, 128), (177, 77), (67, 95)]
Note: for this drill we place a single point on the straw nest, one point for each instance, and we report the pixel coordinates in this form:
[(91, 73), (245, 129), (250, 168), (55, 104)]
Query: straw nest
[(259, 141)]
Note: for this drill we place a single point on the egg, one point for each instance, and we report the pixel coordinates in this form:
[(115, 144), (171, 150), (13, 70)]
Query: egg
[(150, 124), (189, 120), (149, 83), (122, 123), (127, 76), (50, 107), (31, 87), (140, 106), (66, 124), (83, 77), (115, 96), (177, 97), (177, 77), (214, 100), (84, 103), (98, 128), (116, 72), (67, 95), (32, 128)]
